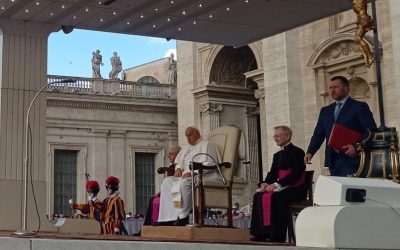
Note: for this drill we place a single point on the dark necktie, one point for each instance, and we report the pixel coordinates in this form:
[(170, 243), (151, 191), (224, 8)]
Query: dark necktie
[(337, 110)]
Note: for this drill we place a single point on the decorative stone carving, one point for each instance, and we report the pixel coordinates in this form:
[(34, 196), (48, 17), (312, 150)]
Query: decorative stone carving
[(210, 107), (339, 50), (259, 94), (209, 114), (359, 88), (230, 64), (116, 66)]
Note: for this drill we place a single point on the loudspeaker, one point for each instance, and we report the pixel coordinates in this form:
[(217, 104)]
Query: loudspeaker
[(343, 191)]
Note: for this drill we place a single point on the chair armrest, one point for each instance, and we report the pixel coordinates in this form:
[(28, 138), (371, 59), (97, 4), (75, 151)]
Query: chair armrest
[(162, 170), (197, 166)]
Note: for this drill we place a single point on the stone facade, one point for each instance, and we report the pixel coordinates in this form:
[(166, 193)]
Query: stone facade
[(287, 85), (157, 69), (107, 126)]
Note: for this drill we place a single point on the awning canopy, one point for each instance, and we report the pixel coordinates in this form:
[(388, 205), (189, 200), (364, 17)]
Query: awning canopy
[(226, 22)]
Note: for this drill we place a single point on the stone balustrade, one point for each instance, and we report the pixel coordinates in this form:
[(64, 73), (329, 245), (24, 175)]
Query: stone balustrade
[(84, 85)]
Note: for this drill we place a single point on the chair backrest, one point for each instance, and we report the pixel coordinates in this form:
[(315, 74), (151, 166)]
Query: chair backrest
[(309, 176), (226, 139)]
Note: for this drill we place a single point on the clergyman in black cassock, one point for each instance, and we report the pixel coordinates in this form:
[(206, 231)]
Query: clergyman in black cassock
[(283, 185)]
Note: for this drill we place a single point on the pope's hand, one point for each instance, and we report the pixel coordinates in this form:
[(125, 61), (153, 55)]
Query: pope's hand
[(178, 172)]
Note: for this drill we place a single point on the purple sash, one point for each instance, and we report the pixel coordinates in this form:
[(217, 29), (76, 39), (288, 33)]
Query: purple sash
[(155, 208), (266, 198)]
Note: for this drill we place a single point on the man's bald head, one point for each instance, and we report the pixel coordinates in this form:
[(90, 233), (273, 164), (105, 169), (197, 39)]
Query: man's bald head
[(173, 152), (192, 135)]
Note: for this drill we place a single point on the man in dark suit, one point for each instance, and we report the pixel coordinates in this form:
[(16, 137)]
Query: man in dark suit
[(348, 112)]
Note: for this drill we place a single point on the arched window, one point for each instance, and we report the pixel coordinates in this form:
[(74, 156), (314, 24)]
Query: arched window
[(147, 80)]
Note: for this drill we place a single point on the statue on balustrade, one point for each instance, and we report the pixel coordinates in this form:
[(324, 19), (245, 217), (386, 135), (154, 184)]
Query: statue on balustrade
[(97, 61), (171, 69), (116, 65)]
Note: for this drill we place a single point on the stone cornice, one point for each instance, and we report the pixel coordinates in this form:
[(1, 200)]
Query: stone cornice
[(110, 106), (226, 93), (23, 28)]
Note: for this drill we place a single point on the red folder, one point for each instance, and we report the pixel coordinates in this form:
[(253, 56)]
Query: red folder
[(342, 136)]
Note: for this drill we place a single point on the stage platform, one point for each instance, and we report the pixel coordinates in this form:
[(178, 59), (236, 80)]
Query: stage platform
[(56, 241), (196, 233)]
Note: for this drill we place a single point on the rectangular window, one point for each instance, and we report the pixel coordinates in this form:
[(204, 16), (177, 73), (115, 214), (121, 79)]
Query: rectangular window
[(65, 177), (144, 179)]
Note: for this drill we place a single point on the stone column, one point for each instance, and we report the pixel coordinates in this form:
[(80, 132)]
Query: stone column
[(23, 71), (117, 160), (284, 93), (209, 115), (186, 82), (251, 116), (100, 166), (258, 77)]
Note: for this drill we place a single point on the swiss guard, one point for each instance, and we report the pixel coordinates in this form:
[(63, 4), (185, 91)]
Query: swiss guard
[(94, 206), (114, 208)]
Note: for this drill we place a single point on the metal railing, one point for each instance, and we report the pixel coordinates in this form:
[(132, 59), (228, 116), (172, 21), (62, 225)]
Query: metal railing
[(126, 88)]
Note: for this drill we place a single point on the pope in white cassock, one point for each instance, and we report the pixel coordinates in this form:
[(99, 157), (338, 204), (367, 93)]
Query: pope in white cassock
[(176, 191)]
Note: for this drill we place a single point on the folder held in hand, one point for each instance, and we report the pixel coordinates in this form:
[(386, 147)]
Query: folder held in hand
[(342, 136)]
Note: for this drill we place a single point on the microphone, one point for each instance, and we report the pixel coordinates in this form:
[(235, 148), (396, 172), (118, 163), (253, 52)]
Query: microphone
[(23, 231)]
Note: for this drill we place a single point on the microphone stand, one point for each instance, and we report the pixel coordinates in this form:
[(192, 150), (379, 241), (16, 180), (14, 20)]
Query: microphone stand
[(200, 182), (23, 231)]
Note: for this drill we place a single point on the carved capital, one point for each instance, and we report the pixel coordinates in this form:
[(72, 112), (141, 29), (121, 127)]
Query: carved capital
[(259, 94), (210, 107), (252, 111)]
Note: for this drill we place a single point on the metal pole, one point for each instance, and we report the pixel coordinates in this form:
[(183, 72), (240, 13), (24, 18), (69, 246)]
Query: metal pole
[(23, 231), (378, 65), (193, 198)]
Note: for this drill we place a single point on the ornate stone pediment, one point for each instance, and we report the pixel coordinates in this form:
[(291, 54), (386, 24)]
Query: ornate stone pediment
[(340, 50)]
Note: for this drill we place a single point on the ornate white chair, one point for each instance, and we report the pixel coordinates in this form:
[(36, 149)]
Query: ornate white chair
[(218, 193)]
